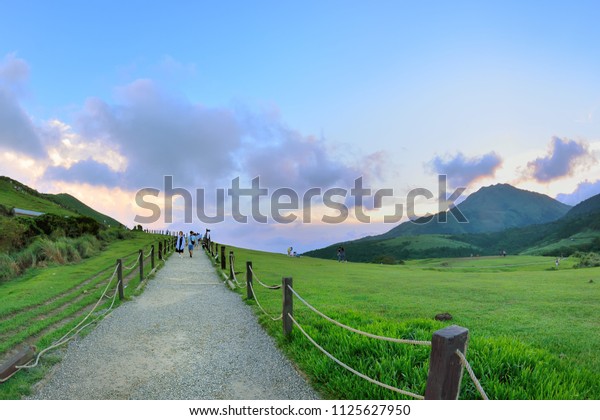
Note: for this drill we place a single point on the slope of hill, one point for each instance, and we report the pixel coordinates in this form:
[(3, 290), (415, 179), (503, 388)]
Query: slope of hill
[(589, 206), (70, 202), (16, 194)]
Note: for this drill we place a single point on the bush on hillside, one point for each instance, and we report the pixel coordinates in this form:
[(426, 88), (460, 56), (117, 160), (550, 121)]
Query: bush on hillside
[(590, 259), (72, 227), (12, 234)]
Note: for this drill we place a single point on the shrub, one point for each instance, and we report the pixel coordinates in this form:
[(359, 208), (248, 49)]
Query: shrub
[(591, 259), (12, 234)]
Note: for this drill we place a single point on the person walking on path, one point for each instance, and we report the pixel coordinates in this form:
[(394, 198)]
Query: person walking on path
[(180, 244), (191, 243)]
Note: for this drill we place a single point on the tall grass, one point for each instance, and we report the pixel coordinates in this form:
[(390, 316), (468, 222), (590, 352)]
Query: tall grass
[(45, 251)]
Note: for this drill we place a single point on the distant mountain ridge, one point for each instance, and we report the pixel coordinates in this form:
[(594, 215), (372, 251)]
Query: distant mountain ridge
[(16, 194), (490, 209), (505, 217)]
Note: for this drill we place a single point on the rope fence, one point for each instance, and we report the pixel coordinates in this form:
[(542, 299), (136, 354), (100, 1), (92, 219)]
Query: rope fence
[(448, 345), (275, 287), (28, 362), (137, 260), (366, 334), (345, 366), (263, 309)]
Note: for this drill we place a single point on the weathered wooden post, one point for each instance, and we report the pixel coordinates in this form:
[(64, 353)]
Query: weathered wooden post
[(120, 278), (231, 265), (141, 265), (152, 257), (288, 306), (223, 261), (445, 368), (249, 294), (160, 250)]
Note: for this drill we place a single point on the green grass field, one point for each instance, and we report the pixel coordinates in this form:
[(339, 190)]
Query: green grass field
[(45, 303), (534, 329)]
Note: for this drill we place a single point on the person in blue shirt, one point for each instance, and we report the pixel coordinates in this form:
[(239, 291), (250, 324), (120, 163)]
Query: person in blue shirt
[(191, 243)]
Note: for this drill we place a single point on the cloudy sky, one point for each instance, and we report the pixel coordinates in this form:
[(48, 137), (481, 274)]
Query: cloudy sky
[(102, 99)]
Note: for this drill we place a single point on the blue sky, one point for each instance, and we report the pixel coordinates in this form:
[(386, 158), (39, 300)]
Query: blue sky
[(100, 99)]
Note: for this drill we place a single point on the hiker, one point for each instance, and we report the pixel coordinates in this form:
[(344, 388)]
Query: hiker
[(180, 244), (343, 254), (191, 243), (289, 251), (339, 254)]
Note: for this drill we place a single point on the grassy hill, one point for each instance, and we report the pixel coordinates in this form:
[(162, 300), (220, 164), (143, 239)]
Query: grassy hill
[(16, 194), (70, 202)]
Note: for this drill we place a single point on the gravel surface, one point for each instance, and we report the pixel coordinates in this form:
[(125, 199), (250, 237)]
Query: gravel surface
[(186, 337)]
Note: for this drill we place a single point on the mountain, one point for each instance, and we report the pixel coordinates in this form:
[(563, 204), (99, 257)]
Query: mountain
[(589, 206), (501, 217), (490, 209), (15, 194)]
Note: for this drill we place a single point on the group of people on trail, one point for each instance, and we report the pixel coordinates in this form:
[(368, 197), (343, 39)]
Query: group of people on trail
[(190, 241)]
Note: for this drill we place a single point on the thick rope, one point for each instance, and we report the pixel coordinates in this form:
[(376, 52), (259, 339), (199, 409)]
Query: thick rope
[(345, 366), (339, 324), (465, 363), (149, 253), (260, 306), (262, 284), (134, 264)]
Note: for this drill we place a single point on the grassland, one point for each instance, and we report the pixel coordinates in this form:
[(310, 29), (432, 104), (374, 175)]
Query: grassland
[(534, 329), (45, 303)]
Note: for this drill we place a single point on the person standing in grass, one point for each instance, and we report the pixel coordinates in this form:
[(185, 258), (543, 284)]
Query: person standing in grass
[(180, 244)]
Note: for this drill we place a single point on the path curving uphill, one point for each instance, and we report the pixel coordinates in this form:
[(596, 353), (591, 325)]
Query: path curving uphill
[(186, 337)]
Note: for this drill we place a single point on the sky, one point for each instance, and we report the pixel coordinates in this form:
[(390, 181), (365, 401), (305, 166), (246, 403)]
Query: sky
[(125, 105)]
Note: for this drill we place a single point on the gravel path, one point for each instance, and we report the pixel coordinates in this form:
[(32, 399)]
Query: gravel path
[(186, 337)]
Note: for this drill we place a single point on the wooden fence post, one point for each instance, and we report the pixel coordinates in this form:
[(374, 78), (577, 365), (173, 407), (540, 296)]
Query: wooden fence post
[(231, 267), (288, 306), (223, 262), (120, 278), (141, 265), (445, 368), (160, 250), (249, 294), (152, 257)]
